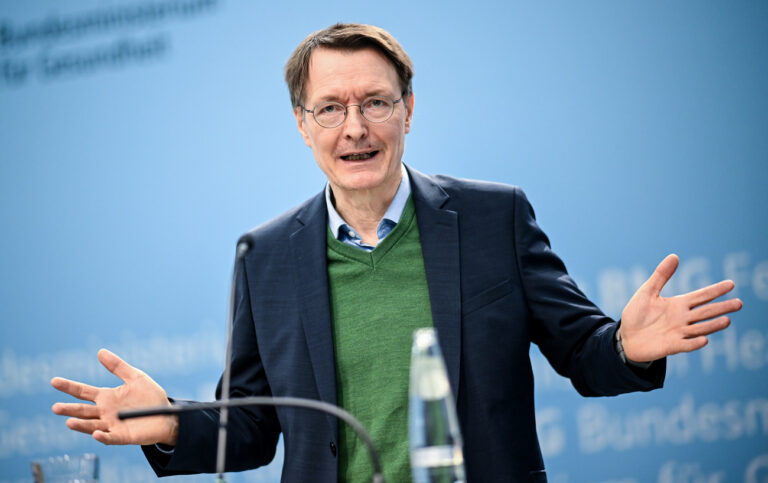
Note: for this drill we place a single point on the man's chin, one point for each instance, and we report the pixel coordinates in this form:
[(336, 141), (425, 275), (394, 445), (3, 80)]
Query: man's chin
[(361, 183)]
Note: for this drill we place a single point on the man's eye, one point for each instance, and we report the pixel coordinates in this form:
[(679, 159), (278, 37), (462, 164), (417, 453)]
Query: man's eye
[(330, 109), (376, 103)]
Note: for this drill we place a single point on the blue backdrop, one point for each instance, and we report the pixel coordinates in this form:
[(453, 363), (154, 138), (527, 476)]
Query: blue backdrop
[(140, 138)]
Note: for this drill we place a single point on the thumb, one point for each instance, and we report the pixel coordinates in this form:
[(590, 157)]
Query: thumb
[(117, 366), (662, 274)]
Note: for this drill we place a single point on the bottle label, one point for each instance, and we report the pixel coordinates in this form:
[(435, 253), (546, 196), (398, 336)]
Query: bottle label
[(436, 456)]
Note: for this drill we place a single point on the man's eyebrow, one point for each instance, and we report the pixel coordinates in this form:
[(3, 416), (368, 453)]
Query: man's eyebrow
[(378, 92), (329, 97)]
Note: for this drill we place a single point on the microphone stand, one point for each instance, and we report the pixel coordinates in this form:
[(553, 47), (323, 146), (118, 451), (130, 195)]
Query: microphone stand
[(221, 449), (225, 402), (345, 416)]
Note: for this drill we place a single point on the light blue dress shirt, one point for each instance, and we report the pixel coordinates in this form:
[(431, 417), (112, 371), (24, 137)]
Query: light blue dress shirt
[(345, 233)]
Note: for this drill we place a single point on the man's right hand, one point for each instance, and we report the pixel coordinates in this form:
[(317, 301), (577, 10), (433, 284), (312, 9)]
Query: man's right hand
[(100, 419)]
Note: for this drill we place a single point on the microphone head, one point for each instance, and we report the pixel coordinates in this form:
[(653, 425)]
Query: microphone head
[(243, 245)]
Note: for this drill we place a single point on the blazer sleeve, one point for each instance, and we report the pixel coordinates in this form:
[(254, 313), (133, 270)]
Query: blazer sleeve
[(252, 433), (572, 333)]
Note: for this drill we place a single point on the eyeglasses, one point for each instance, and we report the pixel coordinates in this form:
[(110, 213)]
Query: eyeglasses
[(332, 114)]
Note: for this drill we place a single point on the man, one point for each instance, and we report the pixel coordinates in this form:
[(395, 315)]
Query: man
[(329, 294)]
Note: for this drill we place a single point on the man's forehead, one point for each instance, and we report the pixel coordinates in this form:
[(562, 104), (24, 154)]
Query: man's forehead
[(340, 72)]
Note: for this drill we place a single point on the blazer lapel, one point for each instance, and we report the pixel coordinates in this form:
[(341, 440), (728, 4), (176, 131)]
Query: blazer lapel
[(439, 232), (308, 243)]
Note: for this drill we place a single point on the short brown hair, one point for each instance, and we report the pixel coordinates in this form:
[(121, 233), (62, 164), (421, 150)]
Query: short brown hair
[(346, 36)]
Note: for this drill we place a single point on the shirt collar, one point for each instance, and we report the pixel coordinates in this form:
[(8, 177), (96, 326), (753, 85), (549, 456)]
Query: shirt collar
[(336, 223)]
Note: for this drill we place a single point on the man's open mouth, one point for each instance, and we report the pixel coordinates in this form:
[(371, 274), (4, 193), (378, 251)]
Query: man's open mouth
[(359, 156)]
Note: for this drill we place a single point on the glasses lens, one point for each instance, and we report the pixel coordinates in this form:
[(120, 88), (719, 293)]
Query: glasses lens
[(377, 109), (329, 114)]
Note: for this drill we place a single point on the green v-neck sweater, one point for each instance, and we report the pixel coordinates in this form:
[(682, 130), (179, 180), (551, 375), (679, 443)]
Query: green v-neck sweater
[(377, 299)]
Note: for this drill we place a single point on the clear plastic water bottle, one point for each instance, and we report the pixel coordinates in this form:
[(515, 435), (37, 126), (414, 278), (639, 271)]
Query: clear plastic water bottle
[(435, 438), (66, 469)]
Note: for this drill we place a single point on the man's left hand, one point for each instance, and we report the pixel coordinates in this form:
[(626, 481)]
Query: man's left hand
[(653, 327)]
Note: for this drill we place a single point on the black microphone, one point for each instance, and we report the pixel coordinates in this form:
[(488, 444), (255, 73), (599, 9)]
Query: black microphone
[(243, 245)]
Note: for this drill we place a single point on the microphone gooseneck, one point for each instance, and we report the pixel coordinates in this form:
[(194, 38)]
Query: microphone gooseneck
[(221, 448), (336, 411), (225, 402)]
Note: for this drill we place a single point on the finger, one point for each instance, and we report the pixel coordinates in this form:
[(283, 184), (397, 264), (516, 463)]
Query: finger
[(117, 366), (706, 328), (689, 345), (76, 410), (87, 426), (662, 274), (106, 437), (711, 311), (710, 292), (74, 388)]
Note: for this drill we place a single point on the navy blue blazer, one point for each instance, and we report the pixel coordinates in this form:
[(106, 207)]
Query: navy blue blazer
[(495, 286)]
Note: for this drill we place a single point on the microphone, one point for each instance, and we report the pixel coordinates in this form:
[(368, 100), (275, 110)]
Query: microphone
[(224, 403), (243, 246)]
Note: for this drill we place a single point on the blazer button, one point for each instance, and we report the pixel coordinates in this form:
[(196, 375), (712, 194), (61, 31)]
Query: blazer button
[(333, 449)]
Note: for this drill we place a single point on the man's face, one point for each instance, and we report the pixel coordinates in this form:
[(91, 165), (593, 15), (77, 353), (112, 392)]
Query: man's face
[(349, 77)]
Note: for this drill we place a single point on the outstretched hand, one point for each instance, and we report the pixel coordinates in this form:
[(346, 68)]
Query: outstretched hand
[(653, 326), (100, 419)]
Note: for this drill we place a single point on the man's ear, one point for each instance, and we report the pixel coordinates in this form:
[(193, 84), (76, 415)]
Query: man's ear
[(408, 102), (300, 124)]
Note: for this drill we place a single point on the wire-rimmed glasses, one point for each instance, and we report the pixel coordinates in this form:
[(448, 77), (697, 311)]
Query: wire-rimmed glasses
[(332, 114)]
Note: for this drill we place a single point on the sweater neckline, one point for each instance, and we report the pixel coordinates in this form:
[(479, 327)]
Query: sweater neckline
[(375, 256)]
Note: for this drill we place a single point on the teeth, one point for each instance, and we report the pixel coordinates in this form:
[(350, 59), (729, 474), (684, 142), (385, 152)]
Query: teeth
[(358, 157)]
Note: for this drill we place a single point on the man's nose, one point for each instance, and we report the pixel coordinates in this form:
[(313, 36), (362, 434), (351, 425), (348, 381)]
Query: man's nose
[(355, 126)]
